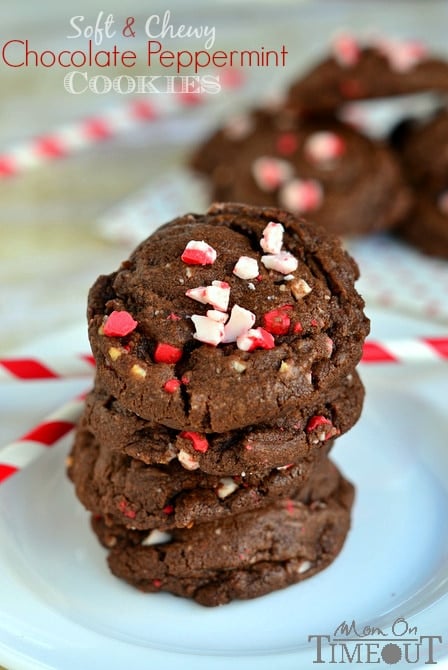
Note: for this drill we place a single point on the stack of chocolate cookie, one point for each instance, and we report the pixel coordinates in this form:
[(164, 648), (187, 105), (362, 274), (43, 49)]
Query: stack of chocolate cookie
[(226, 349)]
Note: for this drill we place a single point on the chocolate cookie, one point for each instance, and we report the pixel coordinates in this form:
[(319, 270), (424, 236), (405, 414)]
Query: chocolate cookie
[(287, 440), (129, 492), (423, 150), (322, 169), (237, 557), (227, 319), (356, 72)]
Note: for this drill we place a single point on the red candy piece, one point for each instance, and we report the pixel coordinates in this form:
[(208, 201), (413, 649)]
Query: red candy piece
[(199, 441), (123, 507), (277, 321), (119, 324), (171, 385), (166, 353), (173, 317), (316, 421), (297, 327), (198, 253), (157, 583), (168, 509), (287, 144)]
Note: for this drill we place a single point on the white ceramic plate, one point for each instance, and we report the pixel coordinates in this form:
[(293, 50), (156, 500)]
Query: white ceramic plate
[(60, 609)]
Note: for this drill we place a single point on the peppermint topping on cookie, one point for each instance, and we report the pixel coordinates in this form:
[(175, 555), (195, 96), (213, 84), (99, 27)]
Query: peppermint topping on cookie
[(301, 195), (403, 56), (324, 147), (217, 295), (241, 320), (318, 420), (287, 144), (208, 330), (119, 324), (272, 240), (277, 321), (346, 50), (300, 288), (187, 461), (220, 317), (171, 385), (270, 173), (284, 262), (198, 253), (443, 202), (198, 441), (246, 268), (166, 353), (255, 338)]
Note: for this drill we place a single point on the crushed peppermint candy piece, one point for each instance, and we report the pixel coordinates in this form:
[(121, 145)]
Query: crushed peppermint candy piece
[(284, 262), (199, 441), (217, 295), (442, 202), (166, 353), (346, 50), (198, 253), (187, 460), (246, 268), (402, 56), (277, 321), (220, 317), (270, 173), (272, 240), (241, 320), (119, 324), (168, 509), (126, 510), (226, 487), (156, 537), (255, 338), (208, 330), (287, 144), (319, 420), (324, 147), (172, 385), (301, 195)]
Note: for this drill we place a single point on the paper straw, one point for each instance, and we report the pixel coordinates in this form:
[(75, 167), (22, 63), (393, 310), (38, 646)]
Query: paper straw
[(81, 365), (71, 138), (423, 349), (17, 455)]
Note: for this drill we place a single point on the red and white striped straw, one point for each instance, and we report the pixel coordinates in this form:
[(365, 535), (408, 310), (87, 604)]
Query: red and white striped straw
[(71, 138), (81, 365), (422, 349), (17, 455)]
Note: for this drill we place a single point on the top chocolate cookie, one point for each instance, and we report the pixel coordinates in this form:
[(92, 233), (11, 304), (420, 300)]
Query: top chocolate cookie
[(353, 71), (222, 320)]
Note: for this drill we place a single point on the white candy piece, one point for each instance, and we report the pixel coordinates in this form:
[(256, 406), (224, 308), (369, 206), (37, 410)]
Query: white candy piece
[(220, 317), (324, 146), (207, 330), (300, 288), (283, 262), (187, 461), (217, 295), (402, 56), (241, 320), (156, 537), (246, 268), (272, 240), (226, 487), (304, 567), (270, 173), (301, 195)]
